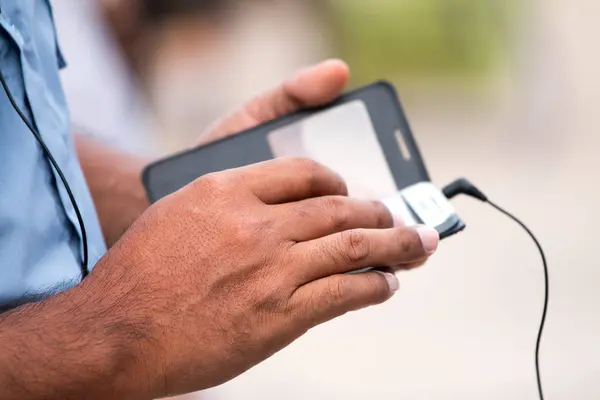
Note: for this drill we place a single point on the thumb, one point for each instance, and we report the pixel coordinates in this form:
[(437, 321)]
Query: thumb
[(310, 87)]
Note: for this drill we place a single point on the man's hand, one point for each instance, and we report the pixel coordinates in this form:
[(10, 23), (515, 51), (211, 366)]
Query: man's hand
[(215, 278), (311, 87), (237, 265), (114, 178), (211, 281)]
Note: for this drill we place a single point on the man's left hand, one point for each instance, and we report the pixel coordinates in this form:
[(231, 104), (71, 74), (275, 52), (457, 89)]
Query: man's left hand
[(114, 178), (311, 87)]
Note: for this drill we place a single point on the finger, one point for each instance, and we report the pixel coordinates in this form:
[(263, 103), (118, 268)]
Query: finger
[(317, 217), (362, 248), (406, 266), (311, 87), (411, 265), (290, 179), (395, 268), (331, 297)]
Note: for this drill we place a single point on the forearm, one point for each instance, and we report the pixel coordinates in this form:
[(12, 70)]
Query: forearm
[(64, 348), (114, 179)]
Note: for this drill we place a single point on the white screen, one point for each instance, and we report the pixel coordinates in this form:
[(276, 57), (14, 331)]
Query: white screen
[(343, 139)]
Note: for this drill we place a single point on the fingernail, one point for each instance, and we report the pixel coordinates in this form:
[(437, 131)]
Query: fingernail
[(392, 281), (430, 239)]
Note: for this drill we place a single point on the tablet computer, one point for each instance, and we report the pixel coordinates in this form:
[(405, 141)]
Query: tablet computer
[(363, 135)]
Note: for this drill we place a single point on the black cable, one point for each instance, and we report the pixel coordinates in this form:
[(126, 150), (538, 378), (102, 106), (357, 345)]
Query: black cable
[(463, 186), (546, 291), (48, 154)]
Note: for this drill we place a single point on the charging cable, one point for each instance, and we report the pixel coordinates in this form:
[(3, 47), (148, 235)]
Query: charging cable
[(463, 186)]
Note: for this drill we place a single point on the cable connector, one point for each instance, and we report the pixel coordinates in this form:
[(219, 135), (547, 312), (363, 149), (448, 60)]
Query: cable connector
[(463, 186)]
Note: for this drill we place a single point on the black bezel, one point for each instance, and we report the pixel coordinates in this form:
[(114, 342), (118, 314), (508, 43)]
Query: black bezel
[(170, 174)]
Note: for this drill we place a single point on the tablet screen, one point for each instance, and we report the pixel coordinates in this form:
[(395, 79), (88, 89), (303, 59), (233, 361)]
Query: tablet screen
[(344, 139)]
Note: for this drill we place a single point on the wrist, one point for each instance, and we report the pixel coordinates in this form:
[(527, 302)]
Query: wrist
[(126, 343), (71, 347)]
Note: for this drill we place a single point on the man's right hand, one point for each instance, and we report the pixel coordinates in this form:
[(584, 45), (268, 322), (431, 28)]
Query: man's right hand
[(222, 274)]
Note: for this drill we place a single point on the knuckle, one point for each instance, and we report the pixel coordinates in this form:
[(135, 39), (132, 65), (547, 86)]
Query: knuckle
[(309, 169), (260, 225), (304, 212), (309, 172), (336, 291), (336, 208), (271, 299), (356, 245), (241, 232), (212, 183), (377, 287), (406, 246), (333, 203), (251, 228), (311, 166), (313, 174), (384, 216)]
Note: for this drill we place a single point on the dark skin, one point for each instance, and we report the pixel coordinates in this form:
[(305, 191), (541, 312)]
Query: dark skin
[(211, 280), (114, 181), (114, 177)]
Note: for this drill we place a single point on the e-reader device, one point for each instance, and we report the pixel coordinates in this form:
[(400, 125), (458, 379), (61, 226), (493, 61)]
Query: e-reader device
[(364, 136)]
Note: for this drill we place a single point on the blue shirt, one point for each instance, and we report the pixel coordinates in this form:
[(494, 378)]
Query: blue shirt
[(40, 238)]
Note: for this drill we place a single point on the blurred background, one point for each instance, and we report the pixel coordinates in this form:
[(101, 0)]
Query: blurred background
[(505, 92)]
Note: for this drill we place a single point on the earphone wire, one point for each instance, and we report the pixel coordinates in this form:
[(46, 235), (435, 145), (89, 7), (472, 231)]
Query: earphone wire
[(50, 157), (546, 294), (464, 186)]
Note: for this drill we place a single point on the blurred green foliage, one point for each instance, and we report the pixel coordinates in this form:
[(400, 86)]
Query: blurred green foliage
[(412, 39)]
